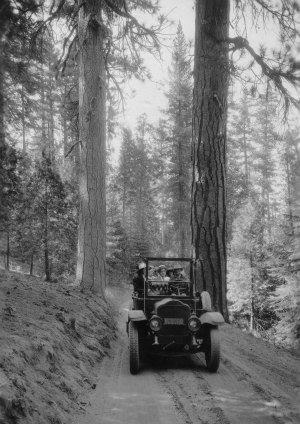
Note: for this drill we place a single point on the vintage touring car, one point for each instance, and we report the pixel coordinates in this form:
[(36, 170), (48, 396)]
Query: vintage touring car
[(168, 317)]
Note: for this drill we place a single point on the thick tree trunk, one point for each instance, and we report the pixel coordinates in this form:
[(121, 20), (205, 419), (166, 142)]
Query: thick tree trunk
[(92, 134), (209, 149)]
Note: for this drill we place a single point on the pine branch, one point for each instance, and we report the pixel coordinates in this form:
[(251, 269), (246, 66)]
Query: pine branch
[(285, 17), (127, 15), (275, 75)]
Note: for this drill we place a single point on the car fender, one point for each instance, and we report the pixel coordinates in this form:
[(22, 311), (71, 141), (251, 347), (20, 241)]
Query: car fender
[(136, 315), (213, 318)]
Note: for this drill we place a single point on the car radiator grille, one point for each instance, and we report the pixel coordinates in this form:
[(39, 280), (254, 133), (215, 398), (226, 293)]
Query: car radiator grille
[(175, 319)]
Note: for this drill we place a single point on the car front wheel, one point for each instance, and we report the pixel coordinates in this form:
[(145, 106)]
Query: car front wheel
[(134, 351), (212, 350)]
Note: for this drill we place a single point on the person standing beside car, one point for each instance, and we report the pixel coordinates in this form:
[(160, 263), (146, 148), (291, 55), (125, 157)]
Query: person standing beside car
[(139, 279)]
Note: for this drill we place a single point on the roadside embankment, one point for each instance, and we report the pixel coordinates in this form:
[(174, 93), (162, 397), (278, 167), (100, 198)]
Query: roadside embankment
[(52, 341)]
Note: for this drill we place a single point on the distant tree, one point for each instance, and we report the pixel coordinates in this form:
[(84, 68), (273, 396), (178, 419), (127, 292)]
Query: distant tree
[(160, 154), (47, 221), (15, 29), (126, 173), (179, 116), (287, 305), (10, 198), (144, 216), (251, 278), (239, 157), (266, 138), (243, 275)]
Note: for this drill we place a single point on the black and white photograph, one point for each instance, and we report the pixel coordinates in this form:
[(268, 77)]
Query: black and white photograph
[(150, 211)]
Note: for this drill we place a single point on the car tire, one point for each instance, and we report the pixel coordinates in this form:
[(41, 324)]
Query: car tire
[(206, 301), (134, 351), (212, 350)]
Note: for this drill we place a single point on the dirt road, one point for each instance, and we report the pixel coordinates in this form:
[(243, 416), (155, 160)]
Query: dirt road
[(256, 383)]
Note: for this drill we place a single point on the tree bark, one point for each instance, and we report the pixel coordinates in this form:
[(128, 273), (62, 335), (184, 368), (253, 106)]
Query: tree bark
[(92, 135), (211, 74)]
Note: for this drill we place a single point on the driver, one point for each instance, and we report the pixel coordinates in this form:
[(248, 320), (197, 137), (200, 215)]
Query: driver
[(178, 273)]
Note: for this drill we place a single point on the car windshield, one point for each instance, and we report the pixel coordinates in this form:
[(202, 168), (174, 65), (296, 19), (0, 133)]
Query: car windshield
[(168, 269)]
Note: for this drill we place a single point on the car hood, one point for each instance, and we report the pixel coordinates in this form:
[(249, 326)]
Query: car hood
[(169, 302)]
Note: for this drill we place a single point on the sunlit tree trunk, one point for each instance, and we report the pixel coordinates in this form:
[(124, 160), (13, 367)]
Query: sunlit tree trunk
[(209, 149), (92, 121)]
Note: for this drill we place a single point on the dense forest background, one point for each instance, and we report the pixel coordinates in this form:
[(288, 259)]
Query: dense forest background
[(148, 187)]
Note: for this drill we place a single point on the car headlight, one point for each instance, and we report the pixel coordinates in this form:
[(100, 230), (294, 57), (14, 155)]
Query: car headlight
[(194, 324), (155, 323)]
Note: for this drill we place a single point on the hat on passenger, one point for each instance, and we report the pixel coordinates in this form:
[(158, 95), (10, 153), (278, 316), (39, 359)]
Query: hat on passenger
[(162, 267), (177, 266), (141, 265)]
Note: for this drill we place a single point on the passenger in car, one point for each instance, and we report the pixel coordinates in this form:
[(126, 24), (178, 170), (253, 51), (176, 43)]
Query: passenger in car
[(170, 273), (151, 273), (162, 273), (179, 273)]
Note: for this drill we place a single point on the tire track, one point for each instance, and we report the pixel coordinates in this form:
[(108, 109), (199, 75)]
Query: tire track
[(272, 395), (192, 396)]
